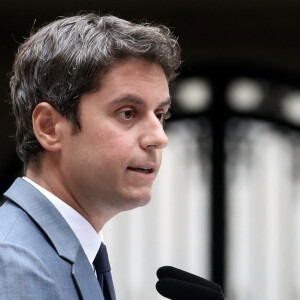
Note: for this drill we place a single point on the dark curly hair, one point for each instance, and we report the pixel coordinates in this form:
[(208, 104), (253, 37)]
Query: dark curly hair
[(58, 63)]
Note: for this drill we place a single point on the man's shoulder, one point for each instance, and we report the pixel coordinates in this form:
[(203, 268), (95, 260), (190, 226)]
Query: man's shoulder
[(15, 224), (30, 266), (24, 275), (30, 220), (10, 217), (39, 251), (17, 259), (23, 270), (19, 231)]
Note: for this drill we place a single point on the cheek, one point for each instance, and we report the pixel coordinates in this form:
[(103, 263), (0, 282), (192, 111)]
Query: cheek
[(113, 148), (159, 156), (118, 141)]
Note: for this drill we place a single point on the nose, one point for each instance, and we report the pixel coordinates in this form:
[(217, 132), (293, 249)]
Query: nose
[(153, 135)]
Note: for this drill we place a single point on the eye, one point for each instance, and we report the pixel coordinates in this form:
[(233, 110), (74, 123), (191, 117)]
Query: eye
[(162, 117), (127, 114)]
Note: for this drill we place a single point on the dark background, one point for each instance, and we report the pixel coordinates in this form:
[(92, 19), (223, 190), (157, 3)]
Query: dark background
[(258, 33)]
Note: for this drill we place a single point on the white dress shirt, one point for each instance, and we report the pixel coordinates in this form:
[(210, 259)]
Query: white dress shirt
[(89, 239)]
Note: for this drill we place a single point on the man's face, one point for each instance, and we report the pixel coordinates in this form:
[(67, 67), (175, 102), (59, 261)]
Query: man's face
[(112, 162)]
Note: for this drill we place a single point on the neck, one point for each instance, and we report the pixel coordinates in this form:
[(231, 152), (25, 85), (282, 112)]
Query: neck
[(54, 183)]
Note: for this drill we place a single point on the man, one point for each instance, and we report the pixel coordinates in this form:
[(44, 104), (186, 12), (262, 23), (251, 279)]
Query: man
[(90, 95)]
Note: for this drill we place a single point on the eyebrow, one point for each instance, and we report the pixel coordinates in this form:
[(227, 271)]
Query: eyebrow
[(136, 100)]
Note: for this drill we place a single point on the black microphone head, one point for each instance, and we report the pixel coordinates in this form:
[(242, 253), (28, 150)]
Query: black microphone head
[(171, 272), (181, 290)]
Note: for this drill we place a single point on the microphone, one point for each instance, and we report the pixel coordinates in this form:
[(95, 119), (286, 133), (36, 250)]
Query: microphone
[(176, 284)]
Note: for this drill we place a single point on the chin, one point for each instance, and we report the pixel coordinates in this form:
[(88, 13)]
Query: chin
[(138, 201), (144, 201)]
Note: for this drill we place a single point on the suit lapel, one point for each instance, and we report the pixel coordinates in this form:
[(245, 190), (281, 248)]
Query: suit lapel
[(89, 289), (47, 217)]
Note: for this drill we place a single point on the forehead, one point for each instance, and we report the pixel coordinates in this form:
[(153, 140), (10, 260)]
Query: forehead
[(136, 77), (130, 69)]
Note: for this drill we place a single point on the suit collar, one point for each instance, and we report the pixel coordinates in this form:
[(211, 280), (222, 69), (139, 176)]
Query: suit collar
[(89, 239), (47, 217), (43, 212), (79, 272)]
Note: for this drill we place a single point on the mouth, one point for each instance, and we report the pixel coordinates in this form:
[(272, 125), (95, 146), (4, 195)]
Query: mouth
[(142, 170)]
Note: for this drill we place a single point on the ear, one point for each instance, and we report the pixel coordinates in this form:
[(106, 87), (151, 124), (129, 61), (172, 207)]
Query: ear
[(47, 125)]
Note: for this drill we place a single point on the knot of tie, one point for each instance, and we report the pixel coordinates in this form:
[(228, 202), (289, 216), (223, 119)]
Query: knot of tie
[(101, 261)]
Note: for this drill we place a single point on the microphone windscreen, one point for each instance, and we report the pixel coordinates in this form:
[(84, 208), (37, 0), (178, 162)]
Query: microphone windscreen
[(171, 272), (181, 290)]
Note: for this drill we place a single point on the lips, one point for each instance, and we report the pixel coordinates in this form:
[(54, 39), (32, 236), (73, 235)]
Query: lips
[(144, 170)]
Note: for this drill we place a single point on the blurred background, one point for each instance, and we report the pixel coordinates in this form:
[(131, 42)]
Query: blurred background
[(226, 204)]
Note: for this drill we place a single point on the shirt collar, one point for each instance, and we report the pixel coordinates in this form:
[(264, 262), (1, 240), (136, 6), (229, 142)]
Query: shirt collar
[(89, 239)]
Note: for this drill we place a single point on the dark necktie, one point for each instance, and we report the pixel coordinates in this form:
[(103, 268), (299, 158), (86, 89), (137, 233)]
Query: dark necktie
[(102, 267)]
